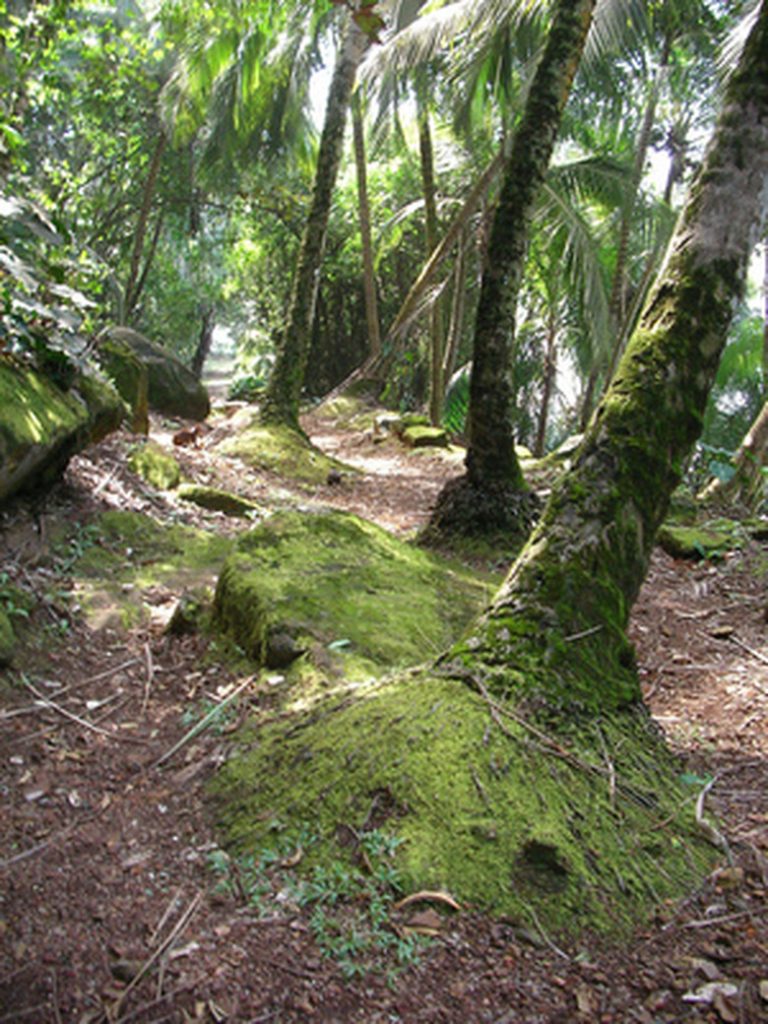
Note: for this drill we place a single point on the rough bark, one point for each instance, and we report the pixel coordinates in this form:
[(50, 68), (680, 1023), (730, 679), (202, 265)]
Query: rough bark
[(364, 211), (491, 497), (281, 400)]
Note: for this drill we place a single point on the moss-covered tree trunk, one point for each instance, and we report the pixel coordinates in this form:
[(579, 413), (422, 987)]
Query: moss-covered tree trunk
[(281, 400), (521, 771), (484, 499)]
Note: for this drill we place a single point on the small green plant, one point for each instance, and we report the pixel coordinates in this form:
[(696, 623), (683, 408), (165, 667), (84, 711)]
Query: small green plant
[(12, 598), (221, 716), (350, 905), (83, 539)]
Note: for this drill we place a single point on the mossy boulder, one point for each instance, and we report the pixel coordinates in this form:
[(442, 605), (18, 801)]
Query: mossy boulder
[(7, 639), (706, 541), (281, 450), (343, 586), (131, 378), (172, 388), (156, 466), (42, 426), (424, 436), (217, 500)]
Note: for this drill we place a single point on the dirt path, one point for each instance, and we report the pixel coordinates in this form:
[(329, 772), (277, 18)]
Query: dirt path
[(110, 909)]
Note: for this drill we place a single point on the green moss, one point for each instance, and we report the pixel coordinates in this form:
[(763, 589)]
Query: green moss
[(7, 639), (131, 379), (41, 426), (504, 819), (133, 554), (156, 466), (710, 540), (280, 449), (344, 582), (420, 436), (216, 500)]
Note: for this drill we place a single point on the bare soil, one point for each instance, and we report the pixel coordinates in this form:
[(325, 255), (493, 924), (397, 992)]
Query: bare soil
[(109, 910)]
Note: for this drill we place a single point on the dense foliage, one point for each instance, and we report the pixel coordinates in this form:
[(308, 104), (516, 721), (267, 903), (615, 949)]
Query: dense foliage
[(156, 167)]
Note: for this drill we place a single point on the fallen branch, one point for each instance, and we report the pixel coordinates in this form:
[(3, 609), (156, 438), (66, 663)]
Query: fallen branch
[(202, 724), (178, 928)]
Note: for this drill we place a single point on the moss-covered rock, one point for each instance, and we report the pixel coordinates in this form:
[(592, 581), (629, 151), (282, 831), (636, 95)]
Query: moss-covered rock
[(172, 388), (43, 426), (708, 540), (280, 449), (345, 586), (7, 639), (420, 436), (131, 378), (216, 500), (156, 466)]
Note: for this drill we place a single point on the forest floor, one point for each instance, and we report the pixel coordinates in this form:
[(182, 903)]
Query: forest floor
[(109, 909)]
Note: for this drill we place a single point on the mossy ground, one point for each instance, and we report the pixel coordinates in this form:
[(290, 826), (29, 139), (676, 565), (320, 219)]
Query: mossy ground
[(589, 829), (279, 449), (342, 585), (118, 557), (155, 465)]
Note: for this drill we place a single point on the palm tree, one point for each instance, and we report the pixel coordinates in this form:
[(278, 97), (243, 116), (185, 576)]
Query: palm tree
[(281, 400), (492, 493)]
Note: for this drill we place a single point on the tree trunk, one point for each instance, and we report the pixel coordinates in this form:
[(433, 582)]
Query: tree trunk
[(747, 485), (492, 495), (550, 376), (281, 399), (148, 195), (458, 304), (521, 772), (364, 209), (204, 341), (431, 233)]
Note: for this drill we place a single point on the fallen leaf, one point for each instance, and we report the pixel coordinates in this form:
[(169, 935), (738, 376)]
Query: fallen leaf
[(726, 1010), (586, 1000), (427, 896), (426, 922), (706, 993), (763, 989)]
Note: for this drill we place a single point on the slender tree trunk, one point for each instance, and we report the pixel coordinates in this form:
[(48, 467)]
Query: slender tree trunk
[(746, 486), (204, 341), (492, 496), (458, 305), (550, 375), (429, 190), (364, 209), (148, 195), (491, 451), (765, 318), (281, 400)]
